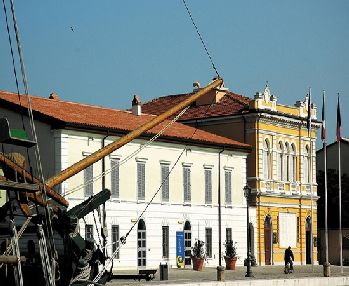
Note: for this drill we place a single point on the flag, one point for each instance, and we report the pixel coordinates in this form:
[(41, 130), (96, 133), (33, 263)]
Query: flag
[(309, 112), (339, 121), (323, 129)]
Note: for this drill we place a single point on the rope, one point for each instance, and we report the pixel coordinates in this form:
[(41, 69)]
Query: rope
[(33, 129), (201, 39), (94, 218), (13, 60), (96, 178), (45, 259), (15, 247), (83, 275)]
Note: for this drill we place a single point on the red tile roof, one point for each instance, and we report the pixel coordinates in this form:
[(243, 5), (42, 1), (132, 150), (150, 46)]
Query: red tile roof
[(61, 113), (230, 104)]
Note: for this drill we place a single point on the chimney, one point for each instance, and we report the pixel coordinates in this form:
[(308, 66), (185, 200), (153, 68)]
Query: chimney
[(214, 96), (196, 86), (136, 105), (54, 96)]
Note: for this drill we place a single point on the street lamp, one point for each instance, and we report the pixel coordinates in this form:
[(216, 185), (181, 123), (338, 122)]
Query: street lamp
[(247, 193)]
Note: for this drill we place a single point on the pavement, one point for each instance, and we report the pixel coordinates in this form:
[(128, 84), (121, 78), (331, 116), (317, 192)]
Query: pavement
[(263, 275)]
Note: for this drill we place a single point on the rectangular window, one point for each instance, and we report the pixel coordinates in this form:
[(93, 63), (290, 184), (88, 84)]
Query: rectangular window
[(115, 178), (165, 241), (187, 184), (141, 180), (88, 231), (227, 180), (165, 192), (208, 186), (228, 234), (88, 181), (208, 236), (115, 236)]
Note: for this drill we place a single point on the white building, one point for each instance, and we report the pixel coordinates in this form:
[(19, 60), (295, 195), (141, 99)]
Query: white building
[(187, 201)]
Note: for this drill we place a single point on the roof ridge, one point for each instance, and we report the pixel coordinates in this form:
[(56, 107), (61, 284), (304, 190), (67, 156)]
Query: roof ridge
[(65, 101), (235, 97)]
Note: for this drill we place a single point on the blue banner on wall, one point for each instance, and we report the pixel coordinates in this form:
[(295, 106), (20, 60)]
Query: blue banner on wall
[(180, 249)]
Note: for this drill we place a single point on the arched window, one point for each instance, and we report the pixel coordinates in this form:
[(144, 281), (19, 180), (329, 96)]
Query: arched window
[(266, 160), (287, 163), (306, 165), (141, 244), (280, 161), (293, 163)]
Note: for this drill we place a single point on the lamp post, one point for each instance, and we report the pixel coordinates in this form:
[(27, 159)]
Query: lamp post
[(247, 193)]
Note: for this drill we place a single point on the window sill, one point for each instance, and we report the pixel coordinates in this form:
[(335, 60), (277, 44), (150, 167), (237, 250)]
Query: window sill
[(140, 201), (187, 204), (166, 203)]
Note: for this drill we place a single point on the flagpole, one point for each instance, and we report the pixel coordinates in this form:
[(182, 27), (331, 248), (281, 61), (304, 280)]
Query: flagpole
[(340, 206), (310, 181), (339, 183), (323, 137)]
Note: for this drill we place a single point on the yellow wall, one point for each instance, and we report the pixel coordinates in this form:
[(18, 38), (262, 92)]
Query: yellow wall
[(302, 213)]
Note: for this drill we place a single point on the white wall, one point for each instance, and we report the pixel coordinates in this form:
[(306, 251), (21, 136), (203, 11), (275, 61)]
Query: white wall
[(125, 210)]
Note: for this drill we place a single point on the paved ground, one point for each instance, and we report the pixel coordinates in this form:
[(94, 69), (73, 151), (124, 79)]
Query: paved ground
[(186, 276)]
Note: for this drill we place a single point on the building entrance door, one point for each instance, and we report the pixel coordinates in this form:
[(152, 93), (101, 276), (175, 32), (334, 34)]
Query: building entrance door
[(308, 240), (187, 243), (268, 231)]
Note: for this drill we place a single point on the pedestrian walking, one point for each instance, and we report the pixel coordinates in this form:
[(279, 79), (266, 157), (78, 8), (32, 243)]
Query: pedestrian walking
[(289, 258)]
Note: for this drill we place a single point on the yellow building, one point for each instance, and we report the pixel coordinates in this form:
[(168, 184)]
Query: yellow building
[(280, 169)]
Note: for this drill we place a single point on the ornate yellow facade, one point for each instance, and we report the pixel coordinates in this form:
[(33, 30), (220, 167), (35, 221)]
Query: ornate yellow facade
[(280, 168), (281, 173)]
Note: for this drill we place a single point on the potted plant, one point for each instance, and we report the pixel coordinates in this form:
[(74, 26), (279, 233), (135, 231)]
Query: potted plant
[(198, 255), (230, 256)]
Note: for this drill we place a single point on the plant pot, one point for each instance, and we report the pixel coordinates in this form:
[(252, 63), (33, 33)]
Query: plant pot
[(230, 263), (198, 263)]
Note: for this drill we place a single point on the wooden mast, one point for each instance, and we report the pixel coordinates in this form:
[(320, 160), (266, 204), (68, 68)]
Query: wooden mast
[(98, 155)]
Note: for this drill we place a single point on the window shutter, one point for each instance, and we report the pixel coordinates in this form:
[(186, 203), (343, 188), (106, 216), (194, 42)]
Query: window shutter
[(187, 184), (165, 182), (88, 176), (115, 178), (141, 181), (208, 186), (228, 187)]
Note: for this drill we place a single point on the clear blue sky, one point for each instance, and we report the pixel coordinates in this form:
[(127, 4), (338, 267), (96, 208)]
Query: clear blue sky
[(103, 52)]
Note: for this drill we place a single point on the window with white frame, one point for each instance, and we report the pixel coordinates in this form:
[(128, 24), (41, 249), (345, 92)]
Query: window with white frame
[(293, 164), (266, 160), (187, 184), (306, 164), (287, 162), (141, 181), (165, 241), (208, 186), (88, 181), (165, 182), (228, 186), (208, 237), (228, 234), (115, 236), (280, 161), (114, 177)]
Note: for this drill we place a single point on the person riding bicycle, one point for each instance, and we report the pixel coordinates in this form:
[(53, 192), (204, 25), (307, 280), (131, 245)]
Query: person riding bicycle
[(289, 258)]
